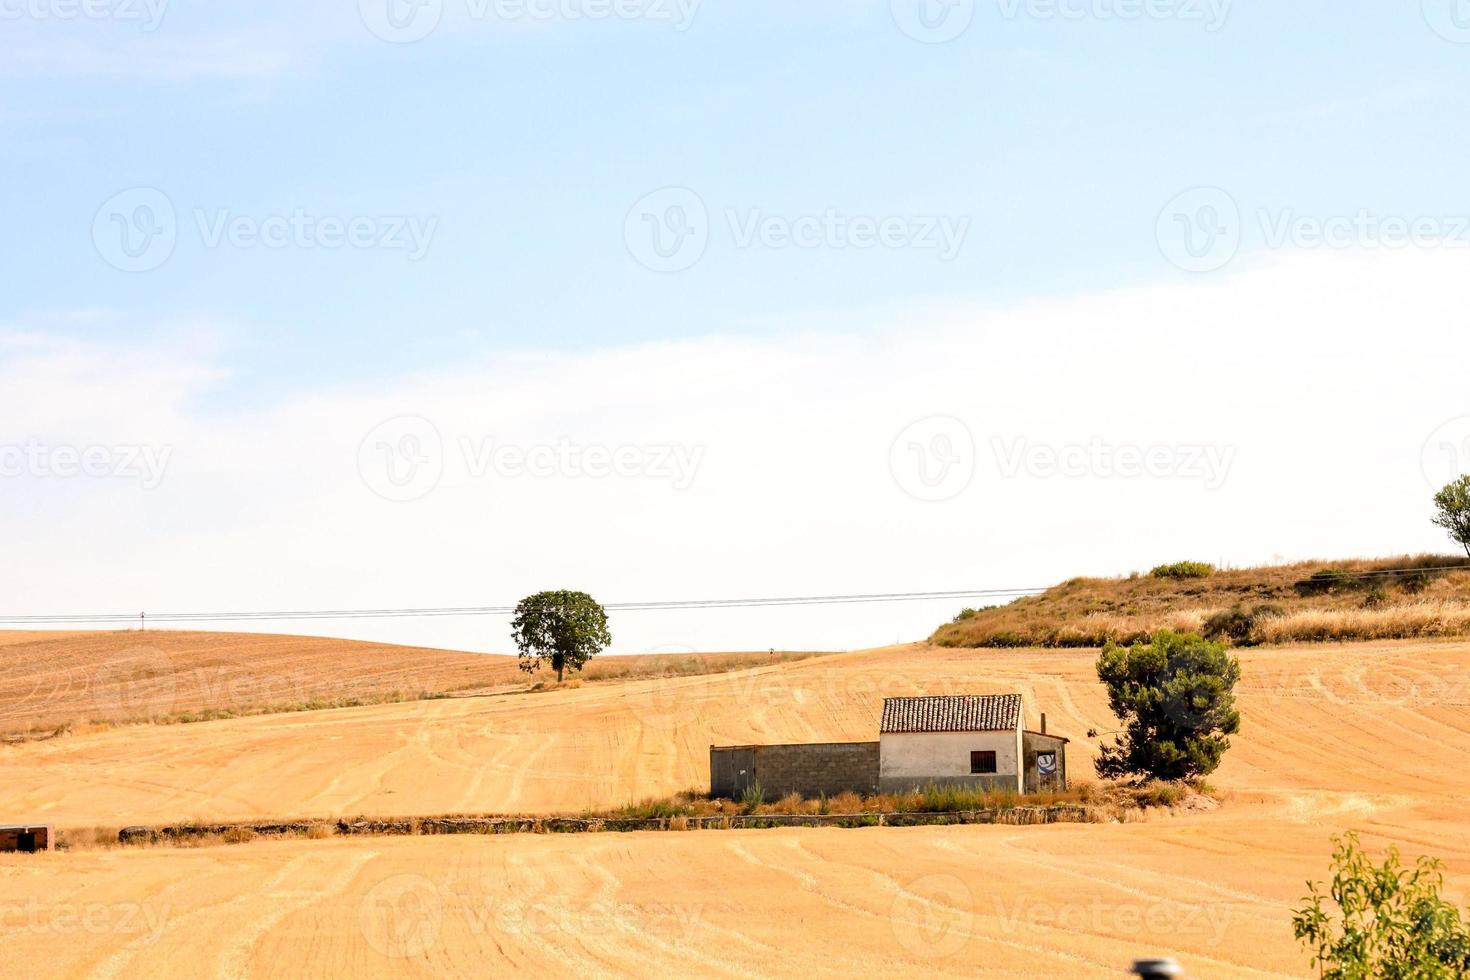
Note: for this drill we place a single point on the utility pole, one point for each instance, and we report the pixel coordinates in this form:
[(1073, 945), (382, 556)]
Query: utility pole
[(142, 622)]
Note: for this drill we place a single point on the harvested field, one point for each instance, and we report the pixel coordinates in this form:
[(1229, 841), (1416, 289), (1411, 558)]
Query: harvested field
[(51, 680), (1365, 736)]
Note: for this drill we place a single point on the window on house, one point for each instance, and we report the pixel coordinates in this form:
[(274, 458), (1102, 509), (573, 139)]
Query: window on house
[(982, 762)]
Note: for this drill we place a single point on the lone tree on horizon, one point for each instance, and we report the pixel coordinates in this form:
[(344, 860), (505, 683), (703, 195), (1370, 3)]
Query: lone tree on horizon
[(1176, 699), (564, 629), (1453, 505)]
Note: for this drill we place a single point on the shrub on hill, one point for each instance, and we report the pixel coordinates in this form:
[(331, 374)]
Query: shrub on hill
[(1238, 625), (1184, 569)]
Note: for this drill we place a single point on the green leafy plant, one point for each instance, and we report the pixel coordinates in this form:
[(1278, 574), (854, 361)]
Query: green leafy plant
[(1184, 569), (1176, 699), (1389, 921), (1452, 511), (564, 629), (753, 797)]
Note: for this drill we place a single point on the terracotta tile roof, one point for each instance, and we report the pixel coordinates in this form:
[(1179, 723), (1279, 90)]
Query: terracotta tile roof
[(965, 713)]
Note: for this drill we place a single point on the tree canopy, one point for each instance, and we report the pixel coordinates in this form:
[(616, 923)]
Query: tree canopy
[(1453, 511), (563, 629), (1175, 697)]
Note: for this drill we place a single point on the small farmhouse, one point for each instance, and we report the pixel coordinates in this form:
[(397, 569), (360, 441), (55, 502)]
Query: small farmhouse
[(975, 740), (968, 740)]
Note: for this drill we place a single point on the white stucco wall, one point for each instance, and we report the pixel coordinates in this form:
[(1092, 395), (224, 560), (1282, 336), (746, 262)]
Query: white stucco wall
[(939, 756)]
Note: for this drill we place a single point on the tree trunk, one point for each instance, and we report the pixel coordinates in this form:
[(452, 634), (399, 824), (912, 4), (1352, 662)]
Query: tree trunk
[(558, 674)]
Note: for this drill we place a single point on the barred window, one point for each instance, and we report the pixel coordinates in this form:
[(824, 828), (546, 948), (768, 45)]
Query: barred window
[(982, 762)]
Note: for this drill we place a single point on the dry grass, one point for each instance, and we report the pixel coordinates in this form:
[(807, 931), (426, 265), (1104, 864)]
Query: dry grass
[(1425, 618), (1108, 798), (1361, 599), (659, 666)]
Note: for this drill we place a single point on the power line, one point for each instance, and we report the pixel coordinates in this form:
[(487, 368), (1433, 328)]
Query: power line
[(655, 606), (405, 613)]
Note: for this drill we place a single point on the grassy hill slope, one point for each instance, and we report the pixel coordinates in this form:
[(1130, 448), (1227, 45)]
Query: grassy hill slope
[(1359, 599)]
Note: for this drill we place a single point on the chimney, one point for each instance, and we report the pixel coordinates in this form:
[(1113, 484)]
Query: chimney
[(1043, 723)]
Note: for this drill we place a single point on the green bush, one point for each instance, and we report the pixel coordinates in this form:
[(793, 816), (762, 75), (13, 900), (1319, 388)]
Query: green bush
[(1175, 698), (1184, 569), (753, 797), (1389, 921)]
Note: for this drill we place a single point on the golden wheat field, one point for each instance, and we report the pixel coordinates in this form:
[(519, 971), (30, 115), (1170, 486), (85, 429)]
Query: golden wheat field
[(1368, 736)]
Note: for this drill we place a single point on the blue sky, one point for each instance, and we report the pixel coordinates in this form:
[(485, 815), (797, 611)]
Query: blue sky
[(1060, 140), (1053, 146)]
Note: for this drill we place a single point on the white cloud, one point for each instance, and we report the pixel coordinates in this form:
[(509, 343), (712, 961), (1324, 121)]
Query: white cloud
[(1322, 374)]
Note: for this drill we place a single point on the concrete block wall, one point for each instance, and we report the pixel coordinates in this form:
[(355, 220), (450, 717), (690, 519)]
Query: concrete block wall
[(812, 770)]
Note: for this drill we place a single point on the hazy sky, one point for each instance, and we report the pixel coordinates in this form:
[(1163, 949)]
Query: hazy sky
[(353, 304)]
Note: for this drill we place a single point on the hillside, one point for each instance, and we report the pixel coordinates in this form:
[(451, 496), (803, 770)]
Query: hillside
[(1362, 736), (50, 681), (1359, 599)]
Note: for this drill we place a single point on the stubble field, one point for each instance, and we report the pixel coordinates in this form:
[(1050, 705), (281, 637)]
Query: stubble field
[(1369, 737)]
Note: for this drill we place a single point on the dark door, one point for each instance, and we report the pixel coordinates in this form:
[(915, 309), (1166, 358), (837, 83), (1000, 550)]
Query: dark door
[(26, 842), (742, 761)]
